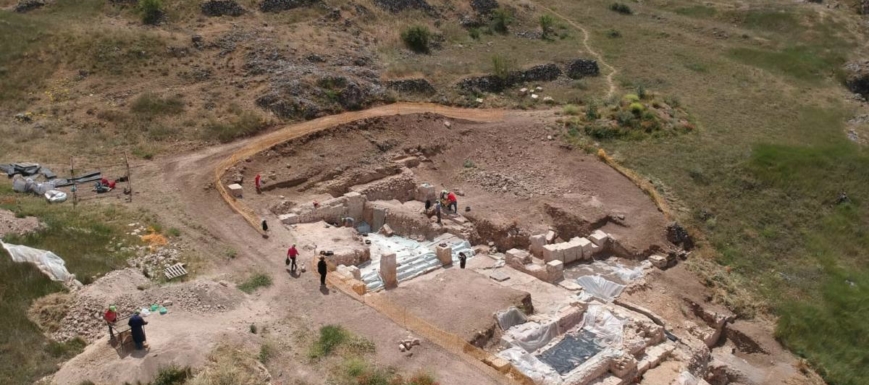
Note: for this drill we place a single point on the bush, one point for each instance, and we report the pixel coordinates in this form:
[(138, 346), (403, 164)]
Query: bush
[(631, 98), (613, 33), (265, 353), (501, 67), (331, 336), (571, 110), (546, 22), (636, 108), (151, 105), (172, 375), (252, 328), (152, 11), (591, 112), (625, 118), (474, 33), (501, 20), (469, 164), (641, 92), (416, 38), (256, 281), (621, 8)]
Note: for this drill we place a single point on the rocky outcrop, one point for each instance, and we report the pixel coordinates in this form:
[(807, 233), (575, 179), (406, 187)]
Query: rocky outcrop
[(411, 86), (216, 8), (396, 6), (857, 79), (492, 83), (28, 5), (580, 68), (484, 7), (283, 5)]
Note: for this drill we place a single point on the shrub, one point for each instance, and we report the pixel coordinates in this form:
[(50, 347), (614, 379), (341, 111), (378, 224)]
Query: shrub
[(546, 22), (172, 375), (174, 232), (331, 336), (501, 67), (501, 20), (621, 8), (469, 164), (152, 11), (625, 118), (252, 328), (631, 98), (636, 108), (613, 33), (421, 378), (641, 92), (571, 110), (591, 112), (474, 33), (416, 38), (255, 281), (151, 105), (265, 352)]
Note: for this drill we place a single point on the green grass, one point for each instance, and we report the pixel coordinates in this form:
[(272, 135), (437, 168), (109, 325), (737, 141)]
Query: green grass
[(86, 239), (245, 124), (331, 337), (254, 282), (699, 11), (152, 105), (172, 375), (808, 63)]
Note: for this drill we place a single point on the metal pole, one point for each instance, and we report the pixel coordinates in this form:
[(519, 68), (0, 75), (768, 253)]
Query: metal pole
[(129, 176), (74, 185)]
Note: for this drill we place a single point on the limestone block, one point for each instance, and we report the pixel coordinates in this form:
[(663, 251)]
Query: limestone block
[(658, 261), (359, 287), (537, 271), (553, 253), (554, 271), (570, 284), (599, 238), (518, 258), (444, 254), (355, 204), (386, 230), (289, 219), (498, 363), (571, 251), (591, 369), (378, 218), (537, 243), (388, 268), (585, 245), (550, 236), (623, 365), (425, 191), (235, 190), (568, 317)]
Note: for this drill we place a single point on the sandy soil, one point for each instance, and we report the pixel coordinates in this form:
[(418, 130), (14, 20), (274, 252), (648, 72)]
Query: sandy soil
[(9, 224)]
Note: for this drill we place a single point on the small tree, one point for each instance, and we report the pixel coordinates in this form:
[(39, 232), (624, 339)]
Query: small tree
[(546, 23), (622, 8), (501, 67), (416, 38), (152, 11), (501, 20)]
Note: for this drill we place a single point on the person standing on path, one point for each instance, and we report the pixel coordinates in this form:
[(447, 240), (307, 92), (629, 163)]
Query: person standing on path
[(322, 269), (111, 318), (462, 259), (453, 203), (137, 327), (292, 253), (256, 182)]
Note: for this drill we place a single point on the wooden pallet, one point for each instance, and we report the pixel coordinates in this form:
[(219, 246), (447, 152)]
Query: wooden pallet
[(175, 271)]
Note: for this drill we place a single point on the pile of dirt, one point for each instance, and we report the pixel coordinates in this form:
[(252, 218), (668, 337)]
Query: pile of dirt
[(153, 264), (121, 288), (10, 224)]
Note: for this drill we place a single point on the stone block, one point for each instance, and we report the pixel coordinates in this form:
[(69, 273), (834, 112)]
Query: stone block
[(553, 253), (425, 191), (444, 254), (499, 276), (554, 271), (386, 230), (570, 284), (498, 363), (537, 271), (550, 236), (658, 261), (599, 238), (359, 287), (355, 203), (585, 245), (537, 243), (289, 219), (623, 365), (569, 316), (235, 190), (378, 218), (388, 268), (517, 258), (572, 251)]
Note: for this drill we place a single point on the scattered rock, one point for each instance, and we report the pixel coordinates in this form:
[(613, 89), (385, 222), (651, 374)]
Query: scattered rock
[(411, 86), (492, 83), (28, 5), (214, 8), (484, 7), (580, 68), (396, 6), (857, 77), (283, 5)]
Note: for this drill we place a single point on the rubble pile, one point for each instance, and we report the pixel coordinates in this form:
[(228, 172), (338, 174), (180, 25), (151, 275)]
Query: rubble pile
[(216, 8), (154, 263)]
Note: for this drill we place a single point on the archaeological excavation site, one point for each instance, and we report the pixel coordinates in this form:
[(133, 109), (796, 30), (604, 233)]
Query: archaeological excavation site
[(549, 266)]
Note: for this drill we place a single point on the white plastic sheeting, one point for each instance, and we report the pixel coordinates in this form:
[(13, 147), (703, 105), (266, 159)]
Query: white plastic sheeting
[(531, 336), (28, 185), (600, 287), (530, 366), (414, 258), (47, 262), (607, 327), (627, 274), (510, 317), (55, 196)]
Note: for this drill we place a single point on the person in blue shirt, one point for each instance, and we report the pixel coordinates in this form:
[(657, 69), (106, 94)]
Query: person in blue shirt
[(137, 328)]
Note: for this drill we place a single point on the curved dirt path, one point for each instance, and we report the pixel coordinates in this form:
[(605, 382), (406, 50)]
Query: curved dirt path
[(598, 56)]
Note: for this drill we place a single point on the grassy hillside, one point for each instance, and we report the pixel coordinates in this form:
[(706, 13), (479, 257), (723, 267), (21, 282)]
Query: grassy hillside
[(760, 181)]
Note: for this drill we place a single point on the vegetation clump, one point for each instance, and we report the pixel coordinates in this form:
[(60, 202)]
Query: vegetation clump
[(416, 38), (622, 8)]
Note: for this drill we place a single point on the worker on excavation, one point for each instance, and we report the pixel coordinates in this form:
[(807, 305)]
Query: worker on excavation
[(111, 318), (322, 269), (292, 253), (462, 259), (137, 327), (453, 203), (256, 182)]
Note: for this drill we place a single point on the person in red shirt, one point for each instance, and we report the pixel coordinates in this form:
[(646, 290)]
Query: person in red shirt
[(111, 318), (292, 253), (256, 182), (454, 203)]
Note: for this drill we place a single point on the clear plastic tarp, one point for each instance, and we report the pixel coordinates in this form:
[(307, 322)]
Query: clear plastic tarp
[(531, 336), (510, 317), (47, 262), (530, 366), (607, 327), (600, 287)]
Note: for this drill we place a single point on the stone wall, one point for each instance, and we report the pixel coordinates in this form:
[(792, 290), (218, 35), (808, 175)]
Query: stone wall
[(411, 86), (215, 8), (580, 68)]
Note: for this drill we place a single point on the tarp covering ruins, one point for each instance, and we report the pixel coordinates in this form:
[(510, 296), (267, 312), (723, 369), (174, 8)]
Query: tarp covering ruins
[(600, 287), (49, 263)]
